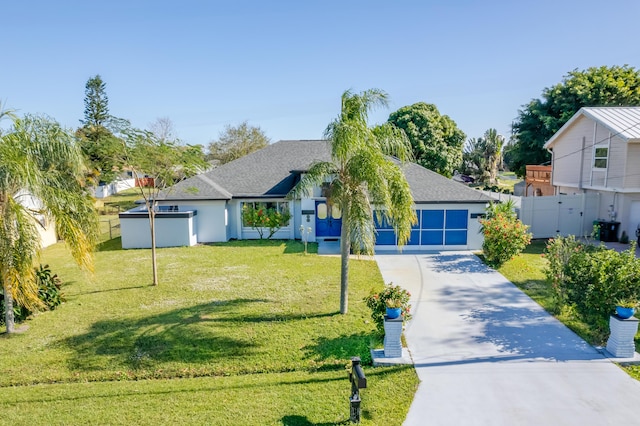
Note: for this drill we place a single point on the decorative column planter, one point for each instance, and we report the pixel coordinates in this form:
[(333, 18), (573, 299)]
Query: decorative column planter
[(392, 333), (620, 343)]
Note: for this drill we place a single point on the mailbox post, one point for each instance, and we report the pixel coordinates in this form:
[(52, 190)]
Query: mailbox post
[(358, 381)]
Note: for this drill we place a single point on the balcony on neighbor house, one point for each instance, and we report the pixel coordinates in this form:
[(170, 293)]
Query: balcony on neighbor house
[(538, 181)]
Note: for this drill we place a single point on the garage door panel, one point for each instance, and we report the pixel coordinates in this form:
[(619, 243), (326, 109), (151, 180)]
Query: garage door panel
[(385, 238), (432, 219), (414, 239), (457, 219), (434, 228), (431, 238), (455, 238)]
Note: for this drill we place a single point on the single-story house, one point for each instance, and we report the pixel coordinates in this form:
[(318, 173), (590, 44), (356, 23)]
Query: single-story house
[(598, 152), (208, 207)]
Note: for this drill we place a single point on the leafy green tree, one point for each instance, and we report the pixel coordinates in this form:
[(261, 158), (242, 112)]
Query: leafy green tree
[(435, 139), (541, 118), (100, 146), (362, 174), (166, 162), (236, 142), (41, 171)]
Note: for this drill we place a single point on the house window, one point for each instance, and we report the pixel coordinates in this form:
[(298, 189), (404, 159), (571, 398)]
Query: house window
[(600, 157), (280, 206), (322, 211)]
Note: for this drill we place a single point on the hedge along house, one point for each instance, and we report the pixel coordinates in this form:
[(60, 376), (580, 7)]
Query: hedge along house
[(208, 207)]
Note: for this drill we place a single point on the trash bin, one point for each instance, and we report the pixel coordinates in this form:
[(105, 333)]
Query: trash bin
[(609, 231)]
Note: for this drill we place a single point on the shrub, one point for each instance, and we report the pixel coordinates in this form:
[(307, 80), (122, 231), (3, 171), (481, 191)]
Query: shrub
[(592, 278), (49, 292), (49, 287), (261, 218), (504, 237), (393, 296)]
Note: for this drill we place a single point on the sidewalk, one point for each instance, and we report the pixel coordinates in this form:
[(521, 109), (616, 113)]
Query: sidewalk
[(486, 354)]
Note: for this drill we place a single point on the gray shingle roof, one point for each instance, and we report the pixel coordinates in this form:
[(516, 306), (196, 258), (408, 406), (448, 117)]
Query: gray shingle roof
[(429, 187), (268, 173)]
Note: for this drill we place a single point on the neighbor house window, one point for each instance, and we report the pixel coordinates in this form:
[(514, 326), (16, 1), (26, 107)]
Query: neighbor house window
[(264, 207), (600, 157)]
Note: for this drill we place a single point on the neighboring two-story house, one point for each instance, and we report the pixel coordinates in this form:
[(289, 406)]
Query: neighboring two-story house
[(598, 151), (208, 207)]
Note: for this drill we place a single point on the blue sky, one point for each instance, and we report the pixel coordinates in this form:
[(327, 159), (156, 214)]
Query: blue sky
[(282, 65)]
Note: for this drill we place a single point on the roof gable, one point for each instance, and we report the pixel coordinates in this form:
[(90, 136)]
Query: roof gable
[(621, 121)]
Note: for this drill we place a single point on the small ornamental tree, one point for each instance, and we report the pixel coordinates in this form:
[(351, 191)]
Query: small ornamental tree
[(504, 237), (262, 218)]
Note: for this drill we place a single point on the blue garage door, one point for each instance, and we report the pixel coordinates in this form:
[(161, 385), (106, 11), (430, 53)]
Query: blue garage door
[(434, 228)]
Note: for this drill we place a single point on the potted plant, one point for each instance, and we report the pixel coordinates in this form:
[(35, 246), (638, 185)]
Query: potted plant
[(392, 301), (394, 308), (625, 308)]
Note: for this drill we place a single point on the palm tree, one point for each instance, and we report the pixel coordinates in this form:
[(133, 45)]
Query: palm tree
[(363, 175), (41, 173), (493, 143)]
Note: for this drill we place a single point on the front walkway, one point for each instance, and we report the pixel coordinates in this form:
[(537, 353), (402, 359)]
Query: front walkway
[(486, 354)]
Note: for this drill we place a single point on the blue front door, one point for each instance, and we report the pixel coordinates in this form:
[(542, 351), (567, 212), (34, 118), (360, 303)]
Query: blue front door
[(328, 220)]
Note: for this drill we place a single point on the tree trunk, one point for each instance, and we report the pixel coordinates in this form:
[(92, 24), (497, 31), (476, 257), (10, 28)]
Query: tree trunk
[(345, 249), (9, 319), (154, 263)]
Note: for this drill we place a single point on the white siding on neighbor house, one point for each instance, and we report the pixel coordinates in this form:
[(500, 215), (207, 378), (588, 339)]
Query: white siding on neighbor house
[(568, 154), (617, 163), (632, 169), (629, 213), (569, 157), (48, 235)]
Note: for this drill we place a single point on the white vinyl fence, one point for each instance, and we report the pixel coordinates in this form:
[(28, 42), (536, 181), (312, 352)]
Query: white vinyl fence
[(104, 191), (560, 214)]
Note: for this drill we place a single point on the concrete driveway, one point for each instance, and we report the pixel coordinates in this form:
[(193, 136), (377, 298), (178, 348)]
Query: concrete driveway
[(486, 354)]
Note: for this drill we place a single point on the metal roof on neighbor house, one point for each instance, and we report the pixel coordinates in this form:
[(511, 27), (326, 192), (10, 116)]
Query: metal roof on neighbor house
[(621, 121), (273, 171)]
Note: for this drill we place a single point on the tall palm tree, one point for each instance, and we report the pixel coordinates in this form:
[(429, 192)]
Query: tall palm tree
[(363, 175), (41, 175), (493, 143)]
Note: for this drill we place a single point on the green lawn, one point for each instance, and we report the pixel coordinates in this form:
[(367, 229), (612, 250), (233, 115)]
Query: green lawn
[(242, 330), (526, 271), (122, 201)]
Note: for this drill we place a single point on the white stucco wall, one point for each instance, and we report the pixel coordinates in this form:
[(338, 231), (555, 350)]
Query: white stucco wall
[(172, 230), (211, 223)]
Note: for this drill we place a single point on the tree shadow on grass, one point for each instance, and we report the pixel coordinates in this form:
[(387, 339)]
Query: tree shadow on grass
[(114, 244), (187, 335), (341, 348)]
